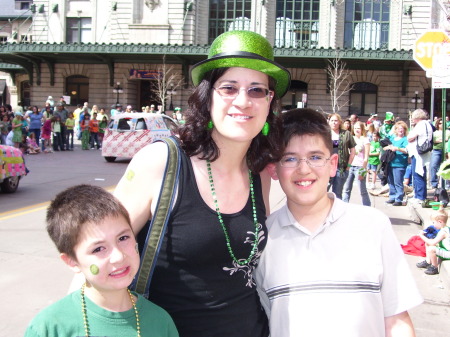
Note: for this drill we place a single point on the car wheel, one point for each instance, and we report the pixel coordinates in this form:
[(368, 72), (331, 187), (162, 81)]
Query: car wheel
[(10, 185), (110, 159)]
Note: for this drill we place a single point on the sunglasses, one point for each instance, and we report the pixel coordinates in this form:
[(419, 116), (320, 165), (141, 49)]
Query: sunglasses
[(229, 91)]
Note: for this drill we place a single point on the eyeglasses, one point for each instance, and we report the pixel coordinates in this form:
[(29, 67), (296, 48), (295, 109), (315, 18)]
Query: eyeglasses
[(291, 161), (229, 91)]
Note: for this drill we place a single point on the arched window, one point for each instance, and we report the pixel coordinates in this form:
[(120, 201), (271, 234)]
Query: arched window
[(363, 98), (77, 87), (297, 23), (366, 24), (296, 94)]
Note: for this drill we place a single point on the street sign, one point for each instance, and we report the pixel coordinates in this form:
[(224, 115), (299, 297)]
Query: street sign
[(428, 44), (441, 71)]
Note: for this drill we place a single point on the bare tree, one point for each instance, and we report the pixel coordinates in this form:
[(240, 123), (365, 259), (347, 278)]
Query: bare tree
[(338, 83), (166, 83)]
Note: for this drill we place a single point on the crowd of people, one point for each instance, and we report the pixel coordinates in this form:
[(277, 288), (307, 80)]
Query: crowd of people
[(388, 150), (54, 127)]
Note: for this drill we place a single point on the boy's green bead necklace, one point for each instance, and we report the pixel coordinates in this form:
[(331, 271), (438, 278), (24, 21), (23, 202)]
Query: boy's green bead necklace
[(219, 216), (85, 321)]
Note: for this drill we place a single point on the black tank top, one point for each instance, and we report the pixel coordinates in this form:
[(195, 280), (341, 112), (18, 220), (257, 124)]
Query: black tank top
[(195, 279)]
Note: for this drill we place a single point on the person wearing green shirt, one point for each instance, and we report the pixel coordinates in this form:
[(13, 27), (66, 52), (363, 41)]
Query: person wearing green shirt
[(374, 160), (436, 153), (92, 232)]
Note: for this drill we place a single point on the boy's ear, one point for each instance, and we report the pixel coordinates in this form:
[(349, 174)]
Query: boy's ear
[(334, 159), (272, 170), (70, 262)]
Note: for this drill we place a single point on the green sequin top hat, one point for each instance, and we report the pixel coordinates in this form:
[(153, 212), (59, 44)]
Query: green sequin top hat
[(247, 50), (389, 116)]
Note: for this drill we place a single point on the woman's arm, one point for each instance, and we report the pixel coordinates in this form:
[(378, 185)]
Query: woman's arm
[(265, 184), (366, 154), (141, 183)]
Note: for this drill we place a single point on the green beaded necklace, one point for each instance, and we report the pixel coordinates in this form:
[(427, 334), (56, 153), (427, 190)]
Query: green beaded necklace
[(84, 313), (219, 215)]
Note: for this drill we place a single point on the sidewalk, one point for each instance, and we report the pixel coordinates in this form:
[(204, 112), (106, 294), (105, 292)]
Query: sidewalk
[(422, 216)]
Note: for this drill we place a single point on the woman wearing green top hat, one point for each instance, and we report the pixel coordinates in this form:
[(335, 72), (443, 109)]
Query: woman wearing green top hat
[(216, 230)]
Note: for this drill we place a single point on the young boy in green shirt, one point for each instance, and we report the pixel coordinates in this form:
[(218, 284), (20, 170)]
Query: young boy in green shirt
[(374, 160), (91, 230), (438, 246)]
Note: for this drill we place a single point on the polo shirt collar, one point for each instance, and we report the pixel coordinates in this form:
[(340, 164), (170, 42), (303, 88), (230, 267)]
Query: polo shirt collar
[(337, 210)]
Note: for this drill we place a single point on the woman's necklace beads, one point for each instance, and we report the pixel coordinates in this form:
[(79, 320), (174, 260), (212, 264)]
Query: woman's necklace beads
[(222, 224)]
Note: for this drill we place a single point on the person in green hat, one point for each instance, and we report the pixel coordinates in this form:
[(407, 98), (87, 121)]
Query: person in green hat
[(386, 128), (216, 231)]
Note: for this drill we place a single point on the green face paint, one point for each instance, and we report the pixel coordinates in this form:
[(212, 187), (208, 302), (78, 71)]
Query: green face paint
[(94, 269), (130, 175)]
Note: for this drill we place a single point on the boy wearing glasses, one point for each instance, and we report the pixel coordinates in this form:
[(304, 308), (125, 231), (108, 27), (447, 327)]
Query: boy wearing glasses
[(327, 258)]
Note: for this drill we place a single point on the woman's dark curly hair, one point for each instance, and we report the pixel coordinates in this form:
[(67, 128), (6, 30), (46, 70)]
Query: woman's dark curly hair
[(196, 138)]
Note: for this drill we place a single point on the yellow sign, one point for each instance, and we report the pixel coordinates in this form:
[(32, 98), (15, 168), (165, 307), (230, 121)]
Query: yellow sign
[(430, 43)]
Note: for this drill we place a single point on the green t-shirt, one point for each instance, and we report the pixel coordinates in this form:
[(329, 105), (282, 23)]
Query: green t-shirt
[(375, 148), (64, 318)]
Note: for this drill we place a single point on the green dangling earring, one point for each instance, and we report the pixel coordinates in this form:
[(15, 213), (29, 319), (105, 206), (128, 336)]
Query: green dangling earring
[(265, 129), (210, 125)]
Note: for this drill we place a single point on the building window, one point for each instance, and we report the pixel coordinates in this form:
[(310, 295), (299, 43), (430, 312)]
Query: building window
[(22, 5), (296, 94), (227, 15), (297, 23), (78, 30), (363, 99), (26, 38), (25, 93), (366, 24), (77, 87)]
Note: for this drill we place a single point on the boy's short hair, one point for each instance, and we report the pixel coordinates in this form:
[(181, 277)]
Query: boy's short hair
[(76, 206), (304, 121), (441, 215)]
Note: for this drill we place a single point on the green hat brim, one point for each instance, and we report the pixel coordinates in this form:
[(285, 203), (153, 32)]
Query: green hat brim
[(280, 74)]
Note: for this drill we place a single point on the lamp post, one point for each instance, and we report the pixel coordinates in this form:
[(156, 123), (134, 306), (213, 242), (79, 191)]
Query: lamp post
[(117, 90), (416, 99), (171, 92)]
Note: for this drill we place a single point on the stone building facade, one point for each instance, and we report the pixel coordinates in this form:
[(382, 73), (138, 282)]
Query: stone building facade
[(84, 48)]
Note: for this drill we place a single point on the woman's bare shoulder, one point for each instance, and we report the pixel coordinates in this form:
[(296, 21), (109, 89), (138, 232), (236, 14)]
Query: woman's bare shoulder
[(141, 182)]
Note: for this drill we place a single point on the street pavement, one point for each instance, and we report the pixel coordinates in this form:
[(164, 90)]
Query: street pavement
[(33, 277)]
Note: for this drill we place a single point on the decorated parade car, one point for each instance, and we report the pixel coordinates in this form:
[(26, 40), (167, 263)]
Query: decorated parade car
[(127, 133), (12, 168)]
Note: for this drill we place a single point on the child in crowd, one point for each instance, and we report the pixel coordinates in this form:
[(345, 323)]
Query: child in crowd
[(23, 145), (92, 232), (93, 131), (437, 247), (4, 123), (323, 250), (70, 125), (33, 147), (84, 125), (57, 136), (102, 125), (46, 135), (374, 159)]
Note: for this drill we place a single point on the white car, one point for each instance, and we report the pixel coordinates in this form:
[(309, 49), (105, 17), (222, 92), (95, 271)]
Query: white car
[(127, 133)]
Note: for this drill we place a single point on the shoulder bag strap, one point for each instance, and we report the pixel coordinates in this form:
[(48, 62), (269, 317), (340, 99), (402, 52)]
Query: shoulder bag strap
[(158, 225)]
